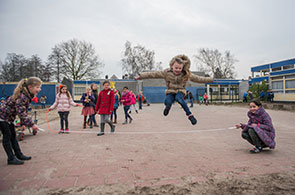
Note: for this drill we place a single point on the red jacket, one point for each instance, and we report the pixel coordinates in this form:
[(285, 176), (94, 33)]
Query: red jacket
[(105, 102), (142, 97)]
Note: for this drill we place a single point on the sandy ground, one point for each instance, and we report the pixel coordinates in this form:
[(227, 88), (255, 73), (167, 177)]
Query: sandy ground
[(155, 155)]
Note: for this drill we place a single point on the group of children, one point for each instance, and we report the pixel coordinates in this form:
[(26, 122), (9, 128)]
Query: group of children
[(259, 131)]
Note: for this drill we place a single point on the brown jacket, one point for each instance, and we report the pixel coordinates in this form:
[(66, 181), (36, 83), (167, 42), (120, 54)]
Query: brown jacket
[(176, 83)]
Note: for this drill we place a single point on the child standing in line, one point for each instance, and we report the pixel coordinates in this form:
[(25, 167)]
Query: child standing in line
[(105, 106), (93, 87), (43, 101), (133, 103), (259, 131), (18, 104), (176, 78), (63, 102), (87, 110), (140, 99), (116, 105), (126, 100), (205, 98)]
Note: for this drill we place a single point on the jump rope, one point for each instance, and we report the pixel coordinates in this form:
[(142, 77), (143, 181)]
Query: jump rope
[(136, 133)]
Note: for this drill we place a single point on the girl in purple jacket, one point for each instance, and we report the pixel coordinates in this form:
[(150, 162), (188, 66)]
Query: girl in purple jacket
[(259, 131), (18, 104)]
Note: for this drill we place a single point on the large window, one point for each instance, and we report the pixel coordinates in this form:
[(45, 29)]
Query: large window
[(290, 76), (276, 69), (79, 90), (277, 85), (290, 84)]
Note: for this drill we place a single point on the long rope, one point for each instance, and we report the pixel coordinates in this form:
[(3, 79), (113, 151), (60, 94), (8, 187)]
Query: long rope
[(47, 121)]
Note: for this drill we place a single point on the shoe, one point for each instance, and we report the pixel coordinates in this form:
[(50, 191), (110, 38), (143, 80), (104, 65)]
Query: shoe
[(166, 111), (67, 131), (90, 127), (115, 122), (100, 134), (23, 157), (96, 125), (125, 122), (130, 120), (129, 112), (136, 111), (61, 131), (15, 161), (192, 119), (256, 150)]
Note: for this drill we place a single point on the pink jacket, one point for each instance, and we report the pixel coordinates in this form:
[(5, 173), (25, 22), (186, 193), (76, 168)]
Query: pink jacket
[(133, 99), (63, 103), (127, 97)]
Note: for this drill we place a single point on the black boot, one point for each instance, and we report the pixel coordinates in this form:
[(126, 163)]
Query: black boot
[(166, 111), (23, 157), (15, 161), (192, 119), (112, 126), (126, 122), (101, 129)]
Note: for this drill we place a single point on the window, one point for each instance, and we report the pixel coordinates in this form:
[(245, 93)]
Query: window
[(290, 91), (277, 84), (224, 91), (288, 66), (276, 69), (290, 76), (290, 84), (276, 78), (79, 90)]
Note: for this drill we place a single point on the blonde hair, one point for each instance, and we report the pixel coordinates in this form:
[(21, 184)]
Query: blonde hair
[(68, 93), (22, 86), (182, 59)]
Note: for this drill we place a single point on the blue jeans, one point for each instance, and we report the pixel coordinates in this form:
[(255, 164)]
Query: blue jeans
[(170, 98), (126, 108), (140, 104)]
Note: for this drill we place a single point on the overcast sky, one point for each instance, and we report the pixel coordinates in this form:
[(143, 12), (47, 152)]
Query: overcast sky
[(255, 31)]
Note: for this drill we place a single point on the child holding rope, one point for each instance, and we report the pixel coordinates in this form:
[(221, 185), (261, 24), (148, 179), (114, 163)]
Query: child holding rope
[(18, 104), (63, 102), (259, 131), (105, 106), (176, 78)]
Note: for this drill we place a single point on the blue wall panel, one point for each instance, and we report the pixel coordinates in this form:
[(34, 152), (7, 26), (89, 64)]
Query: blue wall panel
[(47, 89), (157, 94), (154, 94)]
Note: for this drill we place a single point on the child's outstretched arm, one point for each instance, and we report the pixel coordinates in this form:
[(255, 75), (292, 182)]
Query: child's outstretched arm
[(152, 75), (54, 104), (199, 79)]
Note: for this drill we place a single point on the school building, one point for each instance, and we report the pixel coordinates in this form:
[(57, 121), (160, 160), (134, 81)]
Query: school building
[(280, 77)]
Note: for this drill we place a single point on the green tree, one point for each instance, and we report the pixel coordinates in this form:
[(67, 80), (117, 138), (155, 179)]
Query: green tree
[(257, 88)]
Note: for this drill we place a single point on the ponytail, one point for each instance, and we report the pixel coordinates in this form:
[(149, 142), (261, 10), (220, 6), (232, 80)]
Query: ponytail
[(22, 86)]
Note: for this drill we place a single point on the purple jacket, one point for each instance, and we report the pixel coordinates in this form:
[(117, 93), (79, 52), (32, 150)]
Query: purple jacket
[(10, 108), (264, 128), (88, 104)]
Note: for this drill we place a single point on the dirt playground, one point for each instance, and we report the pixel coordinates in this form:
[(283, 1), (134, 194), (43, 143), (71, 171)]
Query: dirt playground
[(154, 155)]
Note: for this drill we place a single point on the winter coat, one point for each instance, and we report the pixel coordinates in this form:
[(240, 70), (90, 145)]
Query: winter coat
[(264, 128), (105, 102), (10, 108), (87, 104), (140, 98), (63, 103), (175, 83), (127, 97), (133, 99)]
